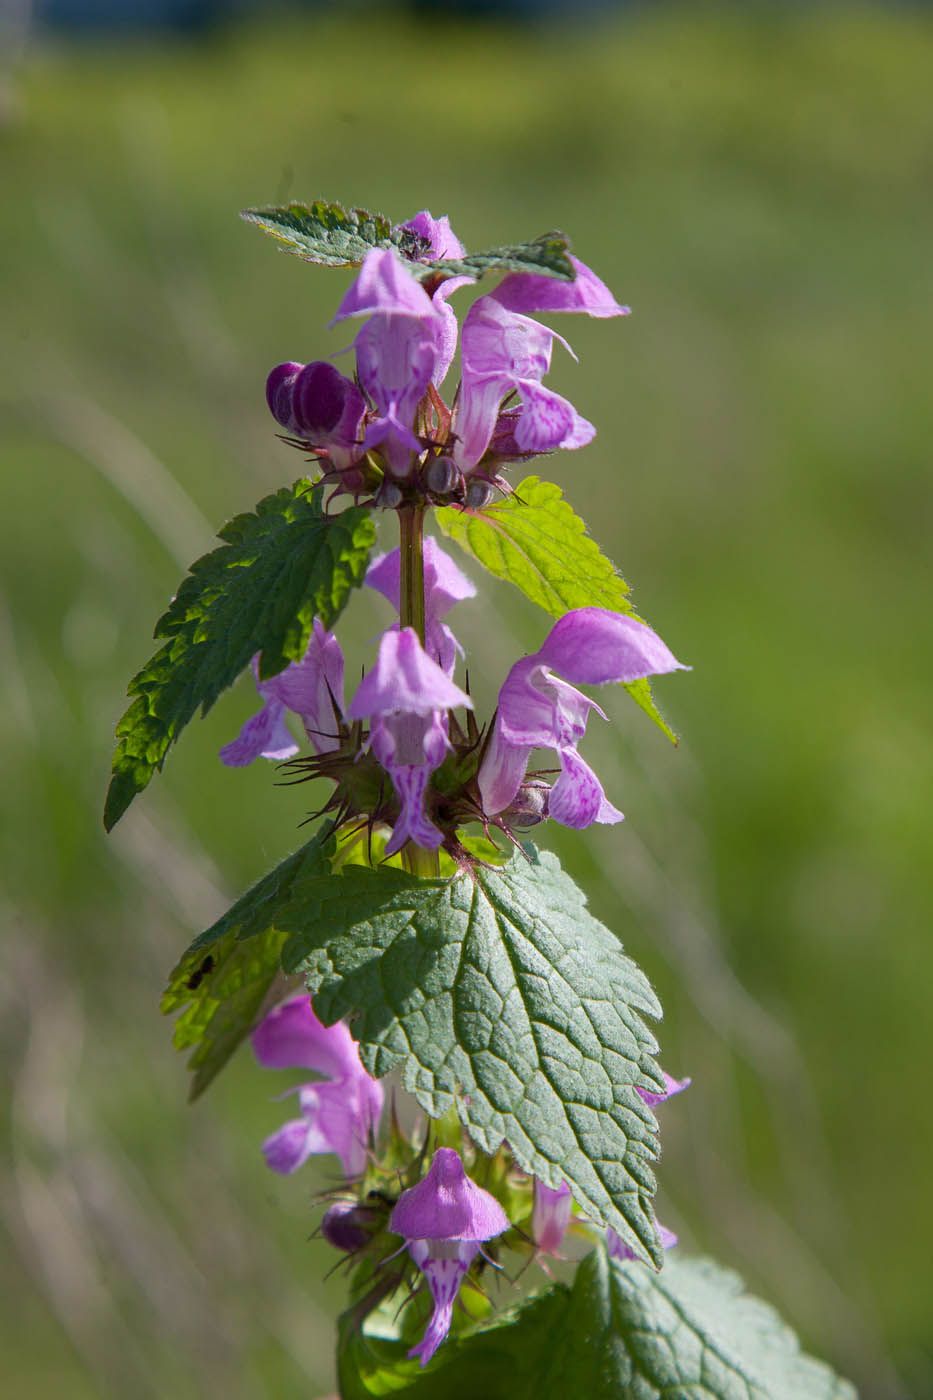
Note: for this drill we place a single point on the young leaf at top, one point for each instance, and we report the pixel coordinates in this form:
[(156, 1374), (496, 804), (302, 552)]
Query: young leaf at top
[(327, 233), (279, 567), (535, 540), (501, 994), (228, 972), (322, 232), (619, 1332)]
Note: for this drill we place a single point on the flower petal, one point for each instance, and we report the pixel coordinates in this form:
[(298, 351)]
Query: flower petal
[(340, 1116), (264, 735), (501, 771), (549, 421), (307, 686), (444, 1272), (405, 679), (577, 798), (384, 284), (671, 1087), (447, 1205), (413, 824), (550, 1216), (292, 1037), (594, 646), (529, 292), (289, 1148)]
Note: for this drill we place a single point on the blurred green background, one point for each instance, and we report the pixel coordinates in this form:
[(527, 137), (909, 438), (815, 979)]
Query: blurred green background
[(756, 183)]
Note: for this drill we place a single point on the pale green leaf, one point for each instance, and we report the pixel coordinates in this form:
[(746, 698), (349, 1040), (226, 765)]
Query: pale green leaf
[(535, 540)]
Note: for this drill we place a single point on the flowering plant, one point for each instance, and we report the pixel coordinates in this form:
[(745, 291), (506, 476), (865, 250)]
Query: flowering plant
[(418, 931)]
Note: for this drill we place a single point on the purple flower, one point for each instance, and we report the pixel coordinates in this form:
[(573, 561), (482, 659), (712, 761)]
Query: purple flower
[(503, 352), (347, 1225), (444, 1220), (404, 345), (444, 585), (618, 1249), (310, 688), (339, 1114), (407, 695), (671, 1087), (319, 404), (529, 292), (537, 709), (550, 1216)]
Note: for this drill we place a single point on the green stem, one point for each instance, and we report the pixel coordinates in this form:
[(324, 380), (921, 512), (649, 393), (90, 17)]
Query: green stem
[(411, 614), (411, 602)]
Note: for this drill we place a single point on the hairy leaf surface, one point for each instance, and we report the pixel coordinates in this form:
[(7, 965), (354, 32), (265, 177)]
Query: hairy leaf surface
[(621, 1332), (279, 567), (327, 233), (535, 540), (323, 233)]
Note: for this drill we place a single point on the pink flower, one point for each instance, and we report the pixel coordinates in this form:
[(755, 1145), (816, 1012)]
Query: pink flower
[(445, 1219), (550, 1216), (404, 345), (339, 1114), (537, 709), (503, 352), (407, 695), (310, 688)]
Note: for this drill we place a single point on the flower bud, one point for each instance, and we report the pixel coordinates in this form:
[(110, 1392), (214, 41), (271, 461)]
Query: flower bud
[(478, 494), (390, 497), (280, 393), (347, 1225), (326, 404), (529, 806), (442, 476)]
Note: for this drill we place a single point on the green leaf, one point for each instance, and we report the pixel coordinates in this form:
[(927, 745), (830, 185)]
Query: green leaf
[(336, 237), (323, 233), (226, 976), (494, 1361), (535, 540), (690, 1330), (501, 994), (620, 1332), (547, 254), (279, 567)]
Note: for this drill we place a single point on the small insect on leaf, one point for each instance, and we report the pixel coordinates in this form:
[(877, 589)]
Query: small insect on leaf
[(197, 977)]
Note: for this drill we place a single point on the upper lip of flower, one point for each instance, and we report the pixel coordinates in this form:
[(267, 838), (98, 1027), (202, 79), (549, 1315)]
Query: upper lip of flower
[(539, 709)]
